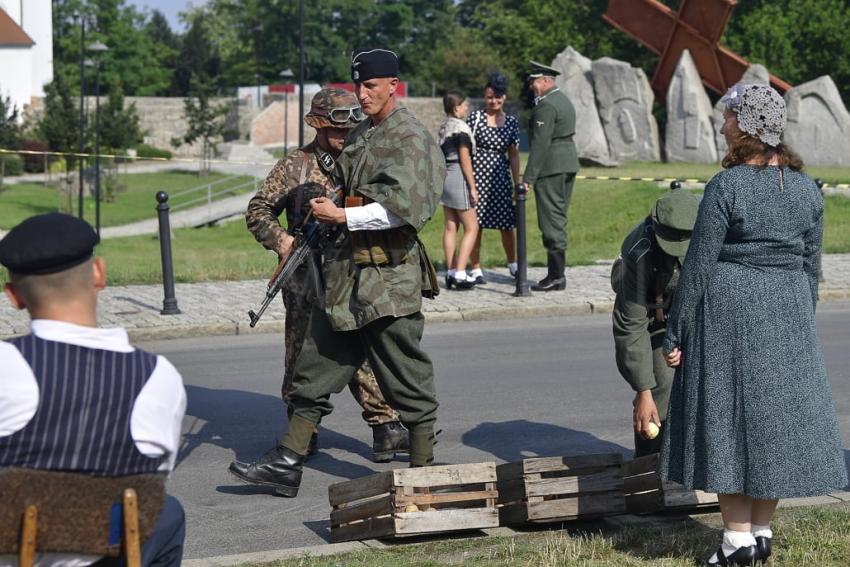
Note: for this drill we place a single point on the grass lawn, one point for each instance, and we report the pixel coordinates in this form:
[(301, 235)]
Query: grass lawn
[(601, 214), (802, 537), (135, 202)]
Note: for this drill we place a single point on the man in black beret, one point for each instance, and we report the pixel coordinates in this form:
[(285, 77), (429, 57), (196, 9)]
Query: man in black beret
[(91, 380), (375, 273)]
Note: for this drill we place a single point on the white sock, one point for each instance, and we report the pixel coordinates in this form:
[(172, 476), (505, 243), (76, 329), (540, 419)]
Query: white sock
[(460, 275), (732, 541), (475, 272), (512, 268), (451, 273), (762, 531)]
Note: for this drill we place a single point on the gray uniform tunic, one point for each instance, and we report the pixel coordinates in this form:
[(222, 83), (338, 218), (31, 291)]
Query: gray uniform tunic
[(751, 407)]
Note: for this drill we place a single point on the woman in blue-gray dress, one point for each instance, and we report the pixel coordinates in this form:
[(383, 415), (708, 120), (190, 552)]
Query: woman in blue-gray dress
[(751, 412)]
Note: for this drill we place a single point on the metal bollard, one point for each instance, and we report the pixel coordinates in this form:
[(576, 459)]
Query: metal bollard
[(821, 279), (522, 287), (169, 303)]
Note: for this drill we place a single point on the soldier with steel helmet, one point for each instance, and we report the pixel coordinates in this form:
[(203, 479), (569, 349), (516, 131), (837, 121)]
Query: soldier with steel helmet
[(290, 185)]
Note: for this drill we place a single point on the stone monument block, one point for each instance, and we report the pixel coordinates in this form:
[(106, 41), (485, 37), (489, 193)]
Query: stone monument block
[(624, 99), (755, 75), (818, 123), (576, 80), (689, 134)]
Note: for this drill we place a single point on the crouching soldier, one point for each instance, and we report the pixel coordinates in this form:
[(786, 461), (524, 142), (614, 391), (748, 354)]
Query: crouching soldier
[(644, 279)]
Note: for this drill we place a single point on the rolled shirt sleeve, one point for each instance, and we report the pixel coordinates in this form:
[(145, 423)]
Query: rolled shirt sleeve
[(373, 216)]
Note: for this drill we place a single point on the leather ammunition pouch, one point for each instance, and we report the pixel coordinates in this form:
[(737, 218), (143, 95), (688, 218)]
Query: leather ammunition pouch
[(388, 247)]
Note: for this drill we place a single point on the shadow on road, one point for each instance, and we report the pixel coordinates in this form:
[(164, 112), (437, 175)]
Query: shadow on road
[(248, 424), (522, 439)]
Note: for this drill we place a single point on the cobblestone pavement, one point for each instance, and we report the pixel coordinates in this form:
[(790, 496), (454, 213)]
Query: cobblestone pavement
[(221, 308)]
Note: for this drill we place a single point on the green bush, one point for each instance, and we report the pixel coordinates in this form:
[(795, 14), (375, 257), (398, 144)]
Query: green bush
[(148, 151), (12, 164)]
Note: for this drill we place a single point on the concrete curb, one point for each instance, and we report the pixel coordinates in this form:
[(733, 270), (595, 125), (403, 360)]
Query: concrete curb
[(618, 522), (457, 316), (272, 326)]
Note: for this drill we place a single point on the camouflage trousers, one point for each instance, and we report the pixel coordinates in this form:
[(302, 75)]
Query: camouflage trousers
[(363, 386)]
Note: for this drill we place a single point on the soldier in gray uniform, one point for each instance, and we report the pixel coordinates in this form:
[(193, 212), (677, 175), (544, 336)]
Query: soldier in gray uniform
[(551, 168), (333, 113), (644, 279)]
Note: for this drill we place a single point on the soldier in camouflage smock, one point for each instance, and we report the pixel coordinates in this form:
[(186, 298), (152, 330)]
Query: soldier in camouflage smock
[(644, 278), (375, 274), (290, 185)]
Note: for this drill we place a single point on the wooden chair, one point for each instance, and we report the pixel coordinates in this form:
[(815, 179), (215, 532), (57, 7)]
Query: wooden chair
[(34, 505), (132, 546)]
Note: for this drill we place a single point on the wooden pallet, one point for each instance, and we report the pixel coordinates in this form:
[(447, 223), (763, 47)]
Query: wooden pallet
[(553, 489), (448, 497), (646, 493)]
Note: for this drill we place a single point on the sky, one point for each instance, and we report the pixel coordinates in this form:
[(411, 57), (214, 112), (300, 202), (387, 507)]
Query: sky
[(169, 8)]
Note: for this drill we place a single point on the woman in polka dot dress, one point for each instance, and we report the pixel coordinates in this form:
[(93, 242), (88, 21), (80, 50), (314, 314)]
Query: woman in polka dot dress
[(496, 168)]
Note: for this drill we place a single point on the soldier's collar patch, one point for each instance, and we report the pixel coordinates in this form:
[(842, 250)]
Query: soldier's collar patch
[(326, 161)]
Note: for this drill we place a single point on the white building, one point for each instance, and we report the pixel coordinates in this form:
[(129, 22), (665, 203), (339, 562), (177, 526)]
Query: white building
[(26, 49)]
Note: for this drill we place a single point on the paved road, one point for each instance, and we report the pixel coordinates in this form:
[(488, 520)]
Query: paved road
[(508, 389)]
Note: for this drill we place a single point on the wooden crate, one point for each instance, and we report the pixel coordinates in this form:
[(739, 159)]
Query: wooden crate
[(555, 489), (449, 497), (646, 493)]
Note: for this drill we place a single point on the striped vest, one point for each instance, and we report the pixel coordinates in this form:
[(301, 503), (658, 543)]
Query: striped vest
[(82, 423)]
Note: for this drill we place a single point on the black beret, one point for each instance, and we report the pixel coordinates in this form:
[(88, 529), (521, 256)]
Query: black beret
[(372, 64), (46, 244)]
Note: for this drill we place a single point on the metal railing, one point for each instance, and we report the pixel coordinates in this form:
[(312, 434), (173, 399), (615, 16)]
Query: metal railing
[(208, 192)]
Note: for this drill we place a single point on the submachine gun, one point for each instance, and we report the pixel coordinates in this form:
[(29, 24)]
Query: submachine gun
[(311, 236)]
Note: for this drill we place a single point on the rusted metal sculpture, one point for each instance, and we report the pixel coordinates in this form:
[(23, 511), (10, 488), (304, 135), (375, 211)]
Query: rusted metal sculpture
[(697, 26)]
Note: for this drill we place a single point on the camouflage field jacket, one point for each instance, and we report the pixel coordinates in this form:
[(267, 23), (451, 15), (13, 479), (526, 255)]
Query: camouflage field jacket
[(398, 164)]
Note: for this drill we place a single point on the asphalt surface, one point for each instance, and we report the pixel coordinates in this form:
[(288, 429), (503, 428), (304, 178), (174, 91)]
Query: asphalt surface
[(508, 389)]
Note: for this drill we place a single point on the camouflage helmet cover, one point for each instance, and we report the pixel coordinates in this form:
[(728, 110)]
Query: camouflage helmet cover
[(329, 99)]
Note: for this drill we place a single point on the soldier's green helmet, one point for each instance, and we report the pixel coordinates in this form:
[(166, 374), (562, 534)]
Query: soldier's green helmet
[(334, 108), (673, 217)]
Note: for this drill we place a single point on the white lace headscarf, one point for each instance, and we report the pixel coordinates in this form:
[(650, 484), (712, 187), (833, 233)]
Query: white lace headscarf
[(760, 111)]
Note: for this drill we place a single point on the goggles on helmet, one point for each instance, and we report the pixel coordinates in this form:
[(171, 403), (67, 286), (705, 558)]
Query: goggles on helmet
[(340, 115)]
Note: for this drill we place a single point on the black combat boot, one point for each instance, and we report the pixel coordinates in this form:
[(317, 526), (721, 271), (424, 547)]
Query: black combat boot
[(555, 280), (279, 467), (389, 439)]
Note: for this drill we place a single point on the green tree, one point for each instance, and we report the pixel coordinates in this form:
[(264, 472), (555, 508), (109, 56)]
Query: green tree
[(119, 126), (797, 40), (166, 46), (198, 57), (133, 55), (206, 120), (59, 126), (10, 128)]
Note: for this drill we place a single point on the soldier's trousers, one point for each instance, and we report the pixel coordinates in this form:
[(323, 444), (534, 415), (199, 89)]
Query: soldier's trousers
[(364, 387), (552, 195), (330, 358)]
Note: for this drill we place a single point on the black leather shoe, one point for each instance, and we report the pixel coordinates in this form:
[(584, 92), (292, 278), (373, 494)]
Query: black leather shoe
[(763, 548), (479, 280), (550, 284), (742, 556), (389, 439), (279, 468), (453, 281)]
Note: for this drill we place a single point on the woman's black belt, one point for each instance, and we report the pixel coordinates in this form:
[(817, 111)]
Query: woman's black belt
[(452, 161)]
